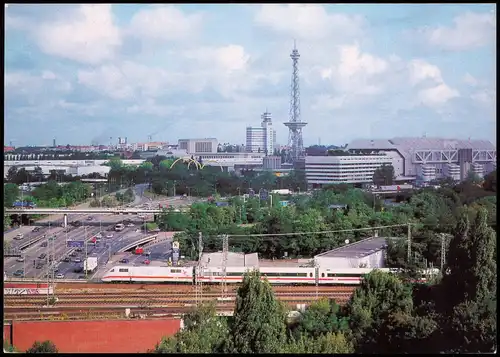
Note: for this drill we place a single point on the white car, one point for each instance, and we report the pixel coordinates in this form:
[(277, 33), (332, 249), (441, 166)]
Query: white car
[(20, 259), (77, 260), (130, 225), (60, 276), (19, 236), (109, 235), (98, 235)]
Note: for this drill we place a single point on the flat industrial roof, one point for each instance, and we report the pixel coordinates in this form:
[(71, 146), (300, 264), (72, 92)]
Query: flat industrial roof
[(233, 259), (356, 250)]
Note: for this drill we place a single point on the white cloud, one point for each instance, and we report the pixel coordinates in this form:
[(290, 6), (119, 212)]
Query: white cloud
[(308, 21), (90, 36), (420, 71), (227, 58), (470, 80), (164, 23), (355, 71), (438, 95), (354, 62), (470, 30)]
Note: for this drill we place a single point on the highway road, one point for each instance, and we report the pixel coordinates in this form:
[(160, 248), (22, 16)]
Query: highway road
[(104, 250)]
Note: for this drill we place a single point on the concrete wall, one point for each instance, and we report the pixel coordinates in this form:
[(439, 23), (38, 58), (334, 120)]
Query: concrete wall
[(105, 336)]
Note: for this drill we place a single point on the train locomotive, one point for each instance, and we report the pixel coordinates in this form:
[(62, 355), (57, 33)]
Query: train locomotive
[(212, 275)]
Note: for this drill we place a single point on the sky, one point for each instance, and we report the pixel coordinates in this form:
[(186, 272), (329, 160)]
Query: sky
[(86, 73)]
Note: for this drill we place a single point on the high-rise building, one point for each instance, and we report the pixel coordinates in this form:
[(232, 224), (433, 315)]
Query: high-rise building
[(263, 138)]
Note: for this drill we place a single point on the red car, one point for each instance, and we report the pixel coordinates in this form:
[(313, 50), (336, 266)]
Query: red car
[(146, 262)]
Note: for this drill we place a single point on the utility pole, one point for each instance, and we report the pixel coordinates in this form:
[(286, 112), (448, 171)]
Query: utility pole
[(199, 283), (409, 242), (86, 252), (225, 249)]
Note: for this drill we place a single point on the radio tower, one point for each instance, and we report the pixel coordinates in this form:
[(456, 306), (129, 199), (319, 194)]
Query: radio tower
[(295, 143)]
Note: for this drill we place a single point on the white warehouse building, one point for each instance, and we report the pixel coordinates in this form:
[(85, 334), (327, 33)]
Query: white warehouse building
[(354, 169), (368, 253)]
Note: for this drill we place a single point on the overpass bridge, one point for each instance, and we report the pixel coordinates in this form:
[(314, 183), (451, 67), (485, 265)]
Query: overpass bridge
[(79, 211)]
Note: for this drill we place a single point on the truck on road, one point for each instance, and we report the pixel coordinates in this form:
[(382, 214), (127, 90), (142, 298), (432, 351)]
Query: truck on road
[(90, 264)]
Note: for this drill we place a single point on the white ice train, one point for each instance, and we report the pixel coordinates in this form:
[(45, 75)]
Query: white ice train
[(275, 275)]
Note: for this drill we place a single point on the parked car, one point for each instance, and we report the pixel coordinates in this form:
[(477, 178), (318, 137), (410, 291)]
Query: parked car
[(42, 256), (124, 260), (60, 276), (147, 253), (147, 262), (130, 225), (90, 218), (73, 254), (20, 259), (98, 235), (36, 229), (78, 269), (109, 235), (66, 260), (44, 244), (77, 260), (19, 272), (39, 266), (19, 236)]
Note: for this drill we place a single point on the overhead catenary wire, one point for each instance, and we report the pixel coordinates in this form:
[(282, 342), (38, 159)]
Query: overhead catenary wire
[(333, 231), (319, 232)]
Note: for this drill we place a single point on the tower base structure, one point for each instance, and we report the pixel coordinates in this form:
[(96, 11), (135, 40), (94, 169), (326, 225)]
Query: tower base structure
[(295, 142)]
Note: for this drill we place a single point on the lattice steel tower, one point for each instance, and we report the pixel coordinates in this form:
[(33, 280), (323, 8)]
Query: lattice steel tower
[(295, 125)]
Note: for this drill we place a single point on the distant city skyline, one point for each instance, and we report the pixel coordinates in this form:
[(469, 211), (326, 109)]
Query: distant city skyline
[(209, 70)]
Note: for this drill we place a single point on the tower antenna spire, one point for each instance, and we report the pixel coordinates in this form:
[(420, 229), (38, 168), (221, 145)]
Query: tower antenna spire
[(295, 125)]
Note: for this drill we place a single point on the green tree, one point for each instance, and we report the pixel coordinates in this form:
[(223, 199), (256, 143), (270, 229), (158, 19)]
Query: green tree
[(10, 194), (259, 324), (490, 181), (330, 343), (12, 174), (43, 347), (321, 317), (379, 295), (469, 310), (6, 221), (384, 175), (204, 332)]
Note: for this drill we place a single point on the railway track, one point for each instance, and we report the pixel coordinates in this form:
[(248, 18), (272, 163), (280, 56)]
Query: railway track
[(179, 287), (149, 299), (107, 312)]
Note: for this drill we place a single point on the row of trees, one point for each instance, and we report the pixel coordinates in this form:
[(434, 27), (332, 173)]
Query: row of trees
[(429, 212), (188, 179), (113, 201), (21, 176), (386, 314), (50, 194)]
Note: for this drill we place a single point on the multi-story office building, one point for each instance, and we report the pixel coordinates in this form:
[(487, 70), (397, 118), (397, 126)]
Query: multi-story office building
[(452, 171), (426, 172), (477, 169), (263, 138), (198, 146), (355, 169)]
